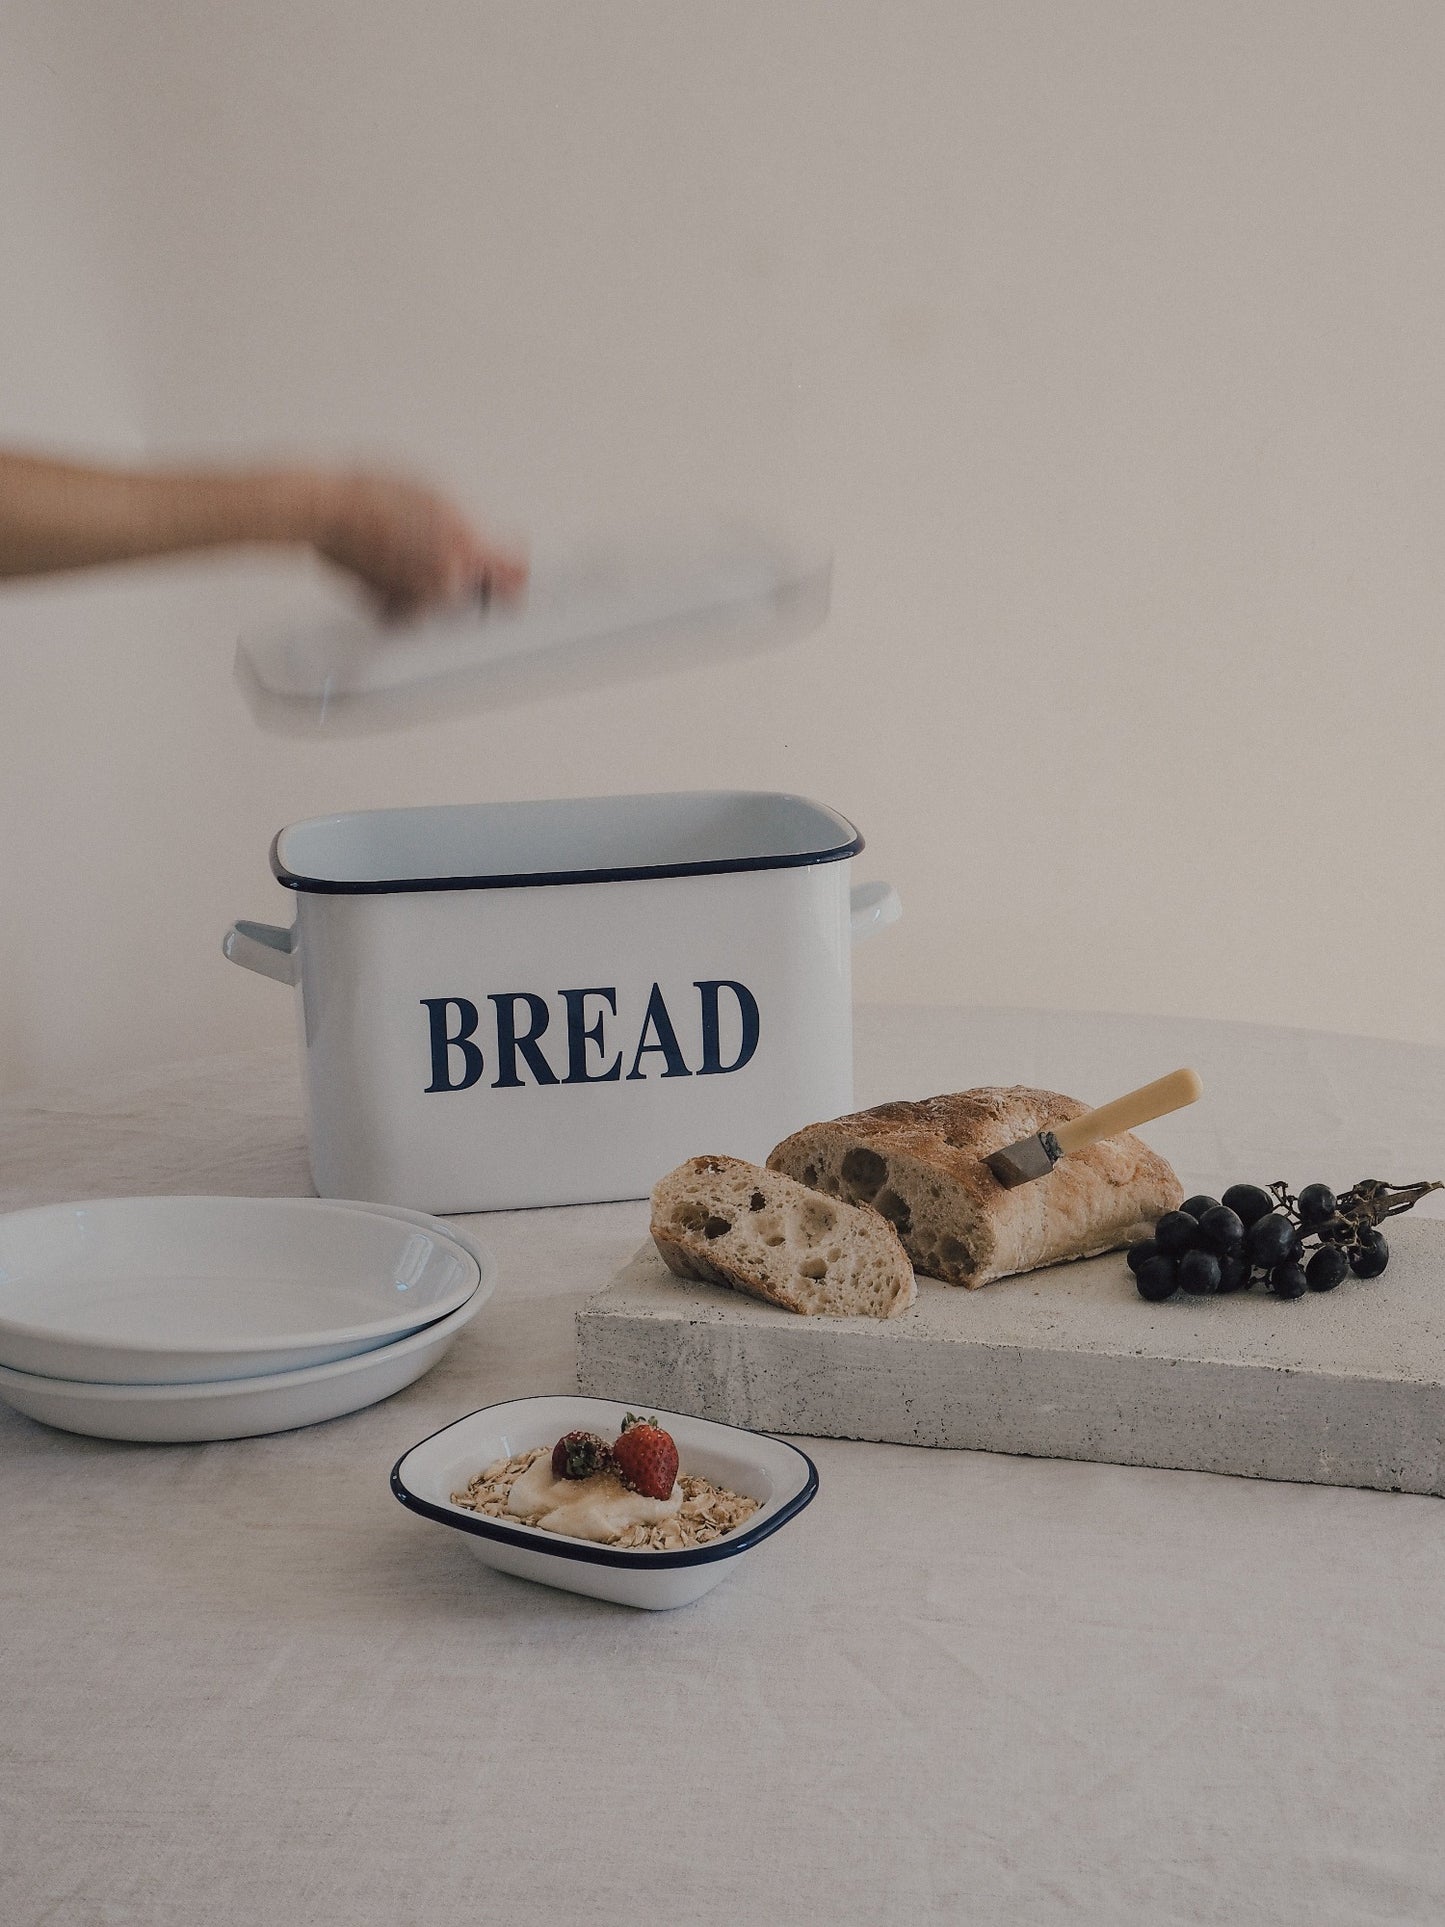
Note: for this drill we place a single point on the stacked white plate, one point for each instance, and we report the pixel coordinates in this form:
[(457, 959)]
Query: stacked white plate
[(168, 1319)]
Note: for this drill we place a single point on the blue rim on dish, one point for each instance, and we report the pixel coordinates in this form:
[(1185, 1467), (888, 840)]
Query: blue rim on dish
[(533, 1539)]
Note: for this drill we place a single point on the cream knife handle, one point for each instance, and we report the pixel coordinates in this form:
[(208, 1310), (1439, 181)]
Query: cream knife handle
[(1158, 1099)]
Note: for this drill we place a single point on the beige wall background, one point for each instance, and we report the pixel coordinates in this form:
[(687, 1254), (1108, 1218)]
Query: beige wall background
[(1103, 342)]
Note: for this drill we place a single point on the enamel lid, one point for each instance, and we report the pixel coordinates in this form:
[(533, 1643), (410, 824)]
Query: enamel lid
[(633, 609)]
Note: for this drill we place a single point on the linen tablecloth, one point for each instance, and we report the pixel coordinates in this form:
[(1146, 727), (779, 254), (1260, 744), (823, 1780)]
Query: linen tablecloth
[(241, 1685)]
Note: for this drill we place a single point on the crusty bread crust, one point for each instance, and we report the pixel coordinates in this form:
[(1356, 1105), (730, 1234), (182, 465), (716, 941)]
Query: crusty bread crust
[(731, 1223), (920, 1165)]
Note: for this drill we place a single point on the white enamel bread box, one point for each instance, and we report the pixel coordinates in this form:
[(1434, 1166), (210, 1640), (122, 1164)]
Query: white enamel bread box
[(510, 1004)]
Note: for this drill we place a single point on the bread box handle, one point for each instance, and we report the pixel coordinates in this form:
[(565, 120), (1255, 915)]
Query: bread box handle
[(872, 907), (265, 948)]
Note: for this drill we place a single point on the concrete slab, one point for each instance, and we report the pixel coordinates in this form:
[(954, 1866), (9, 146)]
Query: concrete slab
[(1345, 1388)]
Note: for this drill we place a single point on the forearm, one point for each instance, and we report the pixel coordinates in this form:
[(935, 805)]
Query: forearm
[(63, 515), (403, 544)]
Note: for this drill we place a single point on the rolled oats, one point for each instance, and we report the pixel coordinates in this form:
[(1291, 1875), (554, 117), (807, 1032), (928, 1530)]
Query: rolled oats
[(708, 1512)]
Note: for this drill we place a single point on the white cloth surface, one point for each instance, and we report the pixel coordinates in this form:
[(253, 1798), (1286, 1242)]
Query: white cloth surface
[(241, 1685)]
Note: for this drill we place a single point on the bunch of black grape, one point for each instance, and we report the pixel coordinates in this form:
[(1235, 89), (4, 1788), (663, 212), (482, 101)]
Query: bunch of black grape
[(1251, 1236)]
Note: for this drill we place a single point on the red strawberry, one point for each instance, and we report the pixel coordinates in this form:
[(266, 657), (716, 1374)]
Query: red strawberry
[(579, 1454), (645, 1457)]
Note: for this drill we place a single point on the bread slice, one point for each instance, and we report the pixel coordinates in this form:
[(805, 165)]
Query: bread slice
[(732, 1223), (920, 1166)]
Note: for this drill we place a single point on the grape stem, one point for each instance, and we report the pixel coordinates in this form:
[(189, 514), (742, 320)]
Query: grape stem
[(1368, 1204), (1389, 1200)]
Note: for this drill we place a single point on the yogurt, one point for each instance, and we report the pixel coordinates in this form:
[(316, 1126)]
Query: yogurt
[(600, 1507)]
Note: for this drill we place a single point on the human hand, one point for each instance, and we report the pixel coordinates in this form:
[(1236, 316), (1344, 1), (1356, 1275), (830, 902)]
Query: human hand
[(409, 547)]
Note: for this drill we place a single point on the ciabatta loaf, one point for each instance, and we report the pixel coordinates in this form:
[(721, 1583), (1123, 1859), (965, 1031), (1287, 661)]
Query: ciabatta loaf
[(732, 1223), (921, 1166)]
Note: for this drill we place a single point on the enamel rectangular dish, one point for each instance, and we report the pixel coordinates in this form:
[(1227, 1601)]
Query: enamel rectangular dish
[(763, 1468), (511, 1004)]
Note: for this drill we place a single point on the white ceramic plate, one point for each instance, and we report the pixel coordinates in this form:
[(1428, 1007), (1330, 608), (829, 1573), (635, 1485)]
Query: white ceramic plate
[(174, 1291), (765, 1468), (240, 1408)]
